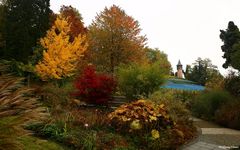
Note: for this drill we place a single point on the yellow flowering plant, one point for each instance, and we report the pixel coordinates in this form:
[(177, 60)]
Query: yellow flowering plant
[(155, 134), (141, 115), (149, 123), (136, 125)]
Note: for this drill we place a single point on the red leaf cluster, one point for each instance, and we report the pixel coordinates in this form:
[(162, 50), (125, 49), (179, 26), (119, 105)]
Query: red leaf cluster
[(94, 88)]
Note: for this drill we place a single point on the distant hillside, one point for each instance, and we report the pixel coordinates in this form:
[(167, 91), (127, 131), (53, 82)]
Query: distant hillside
[(179, 81)]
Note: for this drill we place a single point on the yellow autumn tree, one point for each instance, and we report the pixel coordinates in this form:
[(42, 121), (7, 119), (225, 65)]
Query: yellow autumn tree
[(61, 54)]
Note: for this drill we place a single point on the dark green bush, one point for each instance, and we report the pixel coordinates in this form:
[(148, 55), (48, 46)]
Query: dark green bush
[(229, 114), (139, 81), (55, 131), (206, 104), (232, 84)]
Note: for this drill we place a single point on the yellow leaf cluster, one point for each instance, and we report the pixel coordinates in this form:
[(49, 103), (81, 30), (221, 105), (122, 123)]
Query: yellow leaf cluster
[(61, 55), (142, 110), (136, 125), (155, 134)]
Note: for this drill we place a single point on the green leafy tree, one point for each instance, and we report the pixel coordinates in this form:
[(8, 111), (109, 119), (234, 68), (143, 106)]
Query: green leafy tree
[(114, 39), (25, 22), (188, 71), (137, 81), (202, 71), (231, 46), (159, 57)]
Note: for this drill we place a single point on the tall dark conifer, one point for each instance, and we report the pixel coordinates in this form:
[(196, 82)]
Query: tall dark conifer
[(26, 21), (231, 47), (2, 27)]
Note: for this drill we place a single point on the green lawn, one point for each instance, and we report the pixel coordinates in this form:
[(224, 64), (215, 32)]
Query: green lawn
[(34, 143)]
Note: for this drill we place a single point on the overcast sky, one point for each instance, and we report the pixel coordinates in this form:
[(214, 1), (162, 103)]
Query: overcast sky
[(183, 29)]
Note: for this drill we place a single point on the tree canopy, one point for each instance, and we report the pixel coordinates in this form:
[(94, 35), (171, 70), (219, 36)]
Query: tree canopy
[(75, 19), (114, 39), (202, 71), (25, 22), (231, 46), (160, 58), (61, 55), (2, 27)]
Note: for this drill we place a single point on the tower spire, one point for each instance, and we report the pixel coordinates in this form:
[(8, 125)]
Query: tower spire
[(179, 63), (179, 69)]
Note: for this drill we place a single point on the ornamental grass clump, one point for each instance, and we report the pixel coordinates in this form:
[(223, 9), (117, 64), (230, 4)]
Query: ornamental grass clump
[(18, 106)]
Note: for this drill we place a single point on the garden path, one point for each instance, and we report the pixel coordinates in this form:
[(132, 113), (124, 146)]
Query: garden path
[(214, 137)]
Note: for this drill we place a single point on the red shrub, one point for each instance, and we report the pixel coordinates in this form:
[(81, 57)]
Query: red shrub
[(94, 88)]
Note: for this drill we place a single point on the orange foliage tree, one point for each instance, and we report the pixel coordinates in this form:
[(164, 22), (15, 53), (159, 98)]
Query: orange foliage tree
[(114, 38), (75, 19), (61, 55)]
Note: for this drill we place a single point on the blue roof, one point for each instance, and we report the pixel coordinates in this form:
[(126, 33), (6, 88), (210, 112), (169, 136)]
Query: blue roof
[(183, 86)]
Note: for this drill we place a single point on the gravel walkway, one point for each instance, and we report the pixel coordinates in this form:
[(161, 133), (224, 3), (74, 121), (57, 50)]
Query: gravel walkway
[(214, 137)]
